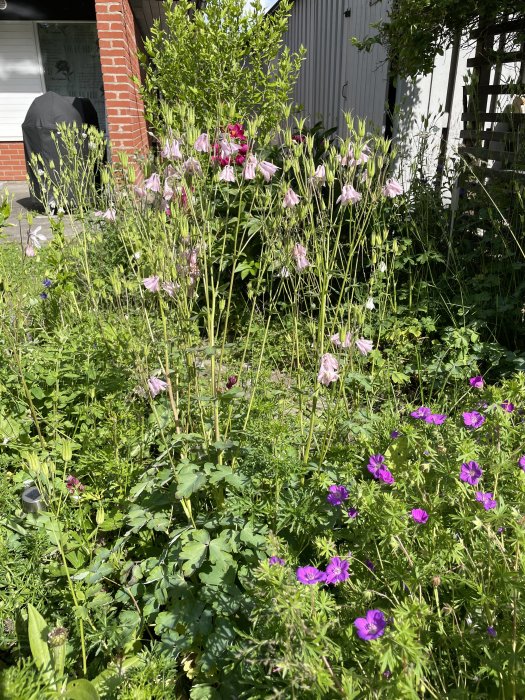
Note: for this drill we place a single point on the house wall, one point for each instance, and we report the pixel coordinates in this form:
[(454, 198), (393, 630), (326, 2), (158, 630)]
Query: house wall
[(21, 79), (117, 33)]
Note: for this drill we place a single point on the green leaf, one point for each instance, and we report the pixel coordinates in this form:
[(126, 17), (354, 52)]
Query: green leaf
[(81, 689), (194, 551), (190, 479), (38, 630)]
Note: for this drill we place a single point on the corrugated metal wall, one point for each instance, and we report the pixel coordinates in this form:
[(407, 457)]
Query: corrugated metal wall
[(335, 76), (318, 25)]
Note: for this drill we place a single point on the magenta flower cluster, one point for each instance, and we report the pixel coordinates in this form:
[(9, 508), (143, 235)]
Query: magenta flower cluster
[(424, 413), (337, 571), (379, 470)]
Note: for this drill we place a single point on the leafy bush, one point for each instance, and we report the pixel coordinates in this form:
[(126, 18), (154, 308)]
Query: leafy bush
[(219, 55)]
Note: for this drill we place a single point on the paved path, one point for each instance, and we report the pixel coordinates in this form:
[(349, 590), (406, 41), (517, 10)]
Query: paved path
[(22, 202)]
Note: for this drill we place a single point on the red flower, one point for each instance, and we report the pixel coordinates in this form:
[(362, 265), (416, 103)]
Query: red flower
[(236, 131)]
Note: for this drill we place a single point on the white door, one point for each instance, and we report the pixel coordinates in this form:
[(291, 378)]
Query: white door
[(21, 76)]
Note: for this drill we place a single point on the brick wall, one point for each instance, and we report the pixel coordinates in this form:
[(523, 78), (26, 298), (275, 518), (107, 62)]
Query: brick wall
[(12, 161), (118, 56)]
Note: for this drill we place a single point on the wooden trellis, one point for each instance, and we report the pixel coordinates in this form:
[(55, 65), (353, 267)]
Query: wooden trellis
[(494, 137)]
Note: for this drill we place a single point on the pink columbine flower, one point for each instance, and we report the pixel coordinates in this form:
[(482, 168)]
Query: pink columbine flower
[(364, 346), (156, 385), (228, 148), (227, 174), (350, 160), (109, 214), (152, 183), (267, 169), (299, 254), (348, 196), (392, 188), (419, 515), (168, 192), (170, 288), (290, 199), (34, 240), (249, 168), (319, 177), (74, 485), (328, 369), (336, 340), (171, 149), (477, 382), (202, 144), (192, 167), (193, 265), (152, 284)]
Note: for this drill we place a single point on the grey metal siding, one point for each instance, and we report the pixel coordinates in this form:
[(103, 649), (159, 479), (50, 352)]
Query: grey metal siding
[(333, 67)]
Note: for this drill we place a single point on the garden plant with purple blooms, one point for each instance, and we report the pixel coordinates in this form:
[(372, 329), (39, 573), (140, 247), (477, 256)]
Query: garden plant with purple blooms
[(275, 457)]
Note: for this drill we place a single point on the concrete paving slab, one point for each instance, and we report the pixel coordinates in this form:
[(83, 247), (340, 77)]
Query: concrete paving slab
[(21, 204)]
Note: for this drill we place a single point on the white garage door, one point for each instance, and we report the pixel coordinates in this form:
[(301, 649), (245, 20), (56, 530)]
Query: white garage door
[(21, 76)]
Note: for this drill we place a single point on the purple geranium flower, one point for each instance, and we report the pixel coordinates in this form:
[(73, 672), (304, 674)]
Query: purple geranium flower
[(336, 495), (337, 570), (272, 561), (421, 412), (370, 565), (508, 406), (376, 460), (521, 462), (353, 513), (436, 418), (310, 575), (47, 282), (477, 382), (471, 472), (419, 515), (372, 626), (491, 630), (487, 500), (473, 419), (386, 476), (395, 434)]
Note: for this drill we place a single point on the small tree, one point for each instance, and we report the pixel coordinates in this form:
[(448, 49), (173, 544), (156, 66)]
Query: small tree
[(220, 53)]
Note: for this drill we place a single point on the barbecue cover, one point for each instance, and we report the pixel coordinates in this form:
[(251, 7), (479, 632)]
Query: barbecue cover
[(42, 119)]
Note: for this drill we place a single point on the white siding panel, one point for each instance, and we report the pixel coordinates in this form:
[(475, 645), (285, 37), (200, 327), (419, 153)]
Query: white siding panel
[(20, 76)]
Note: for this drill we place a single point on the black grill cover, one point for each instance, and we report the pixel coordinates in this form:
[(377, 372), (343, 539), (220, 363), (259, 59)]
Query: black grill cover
[(42, 119)]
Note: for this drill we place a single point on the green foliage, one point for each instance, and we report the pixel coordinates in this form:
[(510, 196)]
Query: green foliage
[(220, 55), (179, 436), (419, 30)]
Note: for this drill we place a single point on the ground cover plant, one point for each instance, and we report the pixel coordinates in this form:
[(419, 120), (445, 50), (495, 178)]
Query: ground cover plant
[(274, 457)]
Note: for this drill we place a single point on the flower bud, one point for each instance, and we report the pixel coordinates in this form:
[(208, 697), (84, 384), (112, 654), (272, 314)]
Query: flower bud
[(57, 637), (436, 581)]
